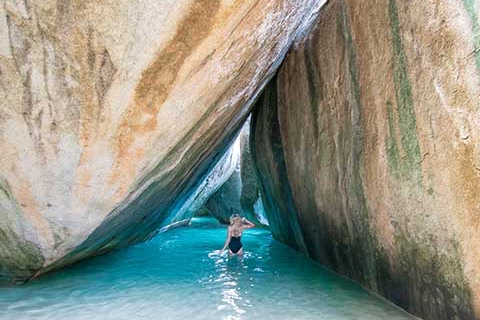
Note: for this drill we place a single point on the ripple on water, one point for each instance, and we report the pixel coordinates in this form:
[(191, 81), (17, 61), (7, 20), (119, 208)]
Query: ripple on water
[(177, 275)]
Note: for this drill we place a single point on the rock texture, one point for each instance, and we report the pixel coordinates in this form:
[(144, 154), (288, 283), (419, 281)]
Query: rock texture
[(368, 140), (113, 112), (220, 173), (240, 193), (269, 162)]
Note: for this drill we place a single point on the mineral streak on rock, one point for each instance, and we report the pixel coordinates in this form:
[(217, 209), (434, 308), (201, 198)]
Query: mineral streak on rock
[(374, 133), (111, 113)]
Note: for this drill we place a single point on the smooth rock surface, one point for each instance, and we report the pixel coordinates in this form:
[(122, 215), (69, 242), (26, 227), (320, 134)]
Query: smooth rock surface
[(217, 177), (369, 137), (113, 112), (240, 192)]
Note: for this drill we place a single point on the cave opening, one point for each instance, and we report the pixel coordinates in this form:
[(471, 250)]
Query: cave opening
[(233, 186)]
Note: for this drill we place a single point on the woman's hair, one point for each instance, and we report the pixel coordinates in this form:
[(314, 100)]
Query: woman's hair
[(235, 223), (235, 218)]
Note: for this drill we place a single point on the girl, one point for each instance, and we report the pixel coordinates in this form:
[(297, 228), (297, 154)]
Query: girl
[(235, 230)]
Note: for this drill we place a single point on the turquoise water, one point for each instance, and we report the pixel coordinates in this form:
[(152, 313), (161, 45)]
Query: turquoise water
[(176, 276)]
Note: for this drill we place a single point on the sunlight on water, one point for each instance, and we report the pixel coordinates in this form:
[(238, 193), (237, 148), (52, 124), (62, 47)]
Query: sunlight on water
[(177, 275)]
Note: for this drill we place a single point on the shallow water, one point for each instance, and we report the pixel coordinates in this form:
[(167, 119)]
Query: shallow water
[(176, 276)]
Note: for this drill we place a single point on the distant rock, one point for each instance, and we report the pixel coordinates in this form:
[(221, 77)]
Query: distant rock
[(217, 177), (240, 192)]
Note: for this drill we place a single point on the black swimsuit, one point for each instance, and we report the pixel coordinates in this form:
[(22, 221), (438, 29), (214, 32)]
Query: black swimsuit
[(235, 244)]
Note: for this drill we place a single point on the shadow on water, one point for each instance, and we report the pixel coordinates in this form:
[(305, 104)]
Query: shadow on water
[(177, 275)]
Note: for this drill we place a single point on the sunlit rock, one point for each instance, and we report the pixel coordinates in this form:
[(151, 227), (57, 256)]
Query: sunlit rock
[(112, 112), (240, 192)]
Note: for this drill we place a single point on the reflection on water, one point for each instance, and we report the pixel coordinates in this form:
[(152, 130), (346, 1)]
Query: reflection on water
[(177, 276), (231, 292)]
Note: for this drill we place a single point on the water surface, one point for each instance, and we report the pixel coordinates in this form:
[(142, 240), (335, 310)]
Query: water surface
[(176, 276)]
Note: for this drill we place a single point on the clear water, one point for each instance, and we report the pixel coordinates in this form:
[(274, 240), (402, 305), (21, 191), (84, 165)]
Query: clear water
[(176, 276)]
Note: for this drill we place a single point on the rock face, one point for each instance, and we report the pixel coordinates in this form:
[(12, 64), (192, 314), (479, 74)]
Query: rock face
[(269, 161), (113, 112), (367, 144), (240, 193)]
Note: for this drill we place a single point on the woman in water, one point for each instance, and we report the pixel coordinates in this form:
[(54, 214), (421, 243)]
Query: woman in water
[(235, 230)]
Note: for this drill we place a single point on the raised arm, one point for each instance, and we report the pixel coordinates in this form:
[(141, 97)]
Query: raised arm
[(227, 241), (248, 224)]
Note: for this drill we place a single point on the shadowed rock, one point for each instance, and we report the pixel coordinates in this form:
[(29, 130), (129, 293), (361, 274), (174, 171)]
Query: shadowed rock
[(369, 136)]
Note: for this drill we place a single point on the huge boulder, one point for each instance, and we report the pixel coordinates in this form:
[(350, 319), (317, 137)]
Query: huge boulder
[(367, 145), (113, 112)]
